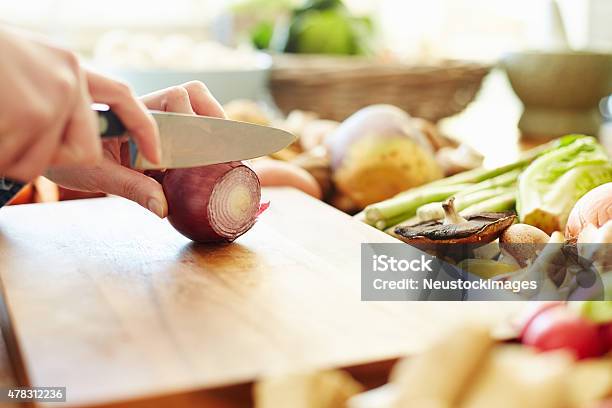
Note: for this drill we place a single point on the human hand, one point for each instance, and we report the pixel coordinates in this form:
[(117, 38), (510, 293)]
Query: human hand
[(45, 109), (112, 175)]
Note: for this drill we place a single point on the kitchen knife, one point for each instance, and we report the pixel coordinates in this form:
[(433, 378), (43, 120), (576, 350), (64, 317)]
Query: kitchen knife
[(186, 141), (190, 140)]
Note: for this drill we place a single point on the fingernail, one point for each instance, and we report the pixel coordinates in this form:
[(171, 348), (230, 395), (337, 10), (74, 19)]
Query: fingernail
[(155, 207)]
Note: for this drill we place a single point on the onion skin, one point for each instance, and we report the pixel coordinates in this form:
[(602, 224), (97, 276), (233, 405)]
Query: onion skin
[(189, 191), (595, 207)]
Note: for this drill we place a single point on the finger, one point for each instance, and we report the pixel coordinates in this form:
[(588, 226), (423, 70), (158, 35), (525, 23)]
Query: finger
[(81, 145), (112, 178), (130, 110), (202, 101), (12, 146), (28, 126), (173, 99), (60, 129), (125, 182), (37, 158)]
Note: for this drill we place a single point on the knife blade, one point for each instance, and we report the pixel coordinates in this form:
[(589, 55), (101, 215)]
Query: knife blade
[(186, 141), (189, 141)]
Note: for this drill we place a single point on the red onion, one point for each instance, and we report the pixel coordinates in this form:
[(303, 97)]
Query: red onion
[(212, 203)]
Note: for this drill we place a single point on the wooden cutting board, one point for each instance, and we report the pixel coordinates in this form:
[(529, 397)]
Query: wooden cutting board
[(104, 298)]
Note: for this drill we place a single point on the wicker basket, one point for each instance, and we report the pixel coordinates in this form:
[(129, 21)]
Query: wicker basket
[(337, 87)]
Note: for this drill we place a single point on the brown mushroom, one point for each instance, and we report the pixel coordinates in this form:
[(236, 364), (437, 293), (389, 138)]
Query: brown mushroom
[(522, 242), (477, 229)]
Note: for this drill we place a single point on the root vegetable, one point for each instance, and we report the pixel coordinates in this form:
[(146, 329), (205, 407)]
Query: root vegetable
[(278, 173), (377, 153), (212, 203), (316, 162), (595, 208), (402, 207)]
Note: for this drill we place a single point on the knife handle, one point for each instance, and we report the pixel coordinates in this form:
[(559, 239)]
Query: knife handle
[(109, 123), (9, 189), (110, 126)]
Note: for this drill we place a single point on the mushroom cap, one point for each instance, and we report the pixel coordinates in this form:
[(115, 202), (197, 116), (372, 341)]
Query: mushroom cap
[(522, 242), (480, 229)]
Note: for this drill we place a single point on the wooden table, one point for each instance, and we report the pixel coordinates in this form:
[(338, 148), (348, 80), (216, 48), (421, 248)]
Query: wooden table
[(129, 310)]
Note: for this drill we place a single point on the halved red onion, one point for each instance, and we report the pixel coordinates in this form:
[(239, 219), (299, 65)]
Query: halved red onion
[(212, 203)]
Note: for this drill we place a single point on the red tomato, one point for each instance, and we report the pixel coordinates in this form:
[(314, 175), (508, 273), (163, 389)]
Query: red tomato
[(605, 332), (562, 329), (532, 311)]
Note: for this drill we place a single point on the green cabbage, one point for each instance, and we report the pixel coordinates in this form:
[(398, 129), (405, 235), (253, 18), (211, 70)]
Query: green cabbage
[(550, 186)]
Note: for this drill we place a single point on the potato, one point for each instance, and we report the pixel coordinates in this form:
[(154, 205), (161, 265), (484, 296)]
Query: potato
[(279, 173)]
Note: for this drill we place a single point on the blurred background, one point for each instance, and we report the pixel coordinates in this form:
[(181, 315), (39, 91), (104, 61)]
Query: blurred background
[(489, 76), (484, 29)]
